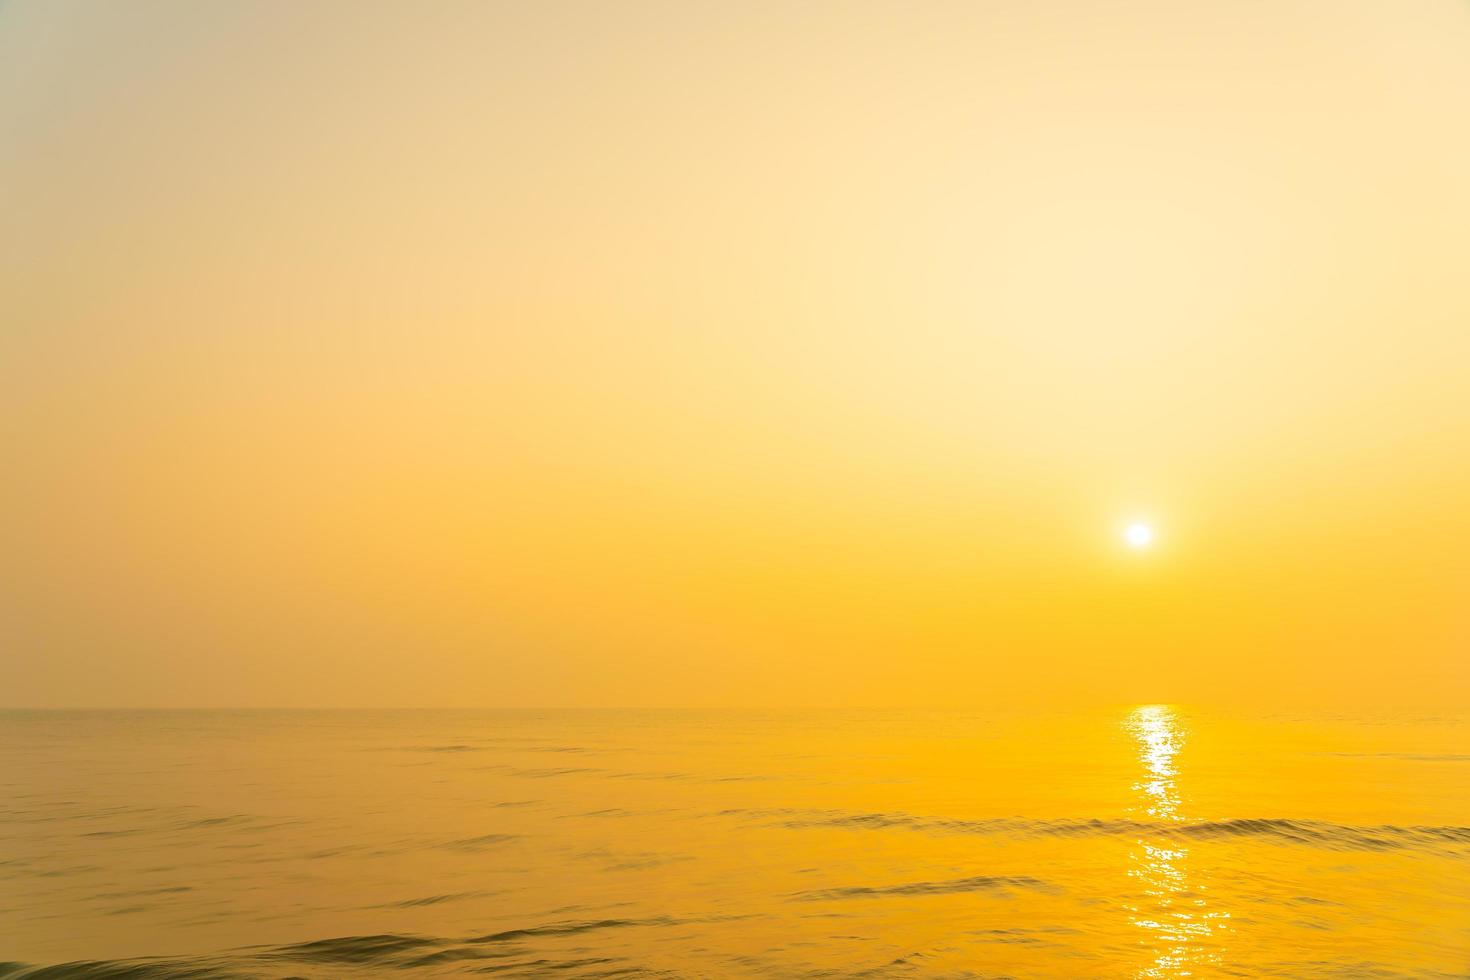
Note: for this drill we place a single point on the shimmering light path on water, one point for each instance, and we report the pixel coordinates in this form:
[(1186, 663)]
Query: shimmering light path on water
[(1179, 928), (1148, 842)]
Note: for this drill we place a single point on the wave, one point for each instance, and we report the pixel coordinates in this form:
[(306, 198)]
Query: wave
[(370, 955), (980, 883), (1405, 756), (413, 903), (353, 949), (446, 748), (1451, 840), (120, 970), (477, 843), (490, 747), (542, 773)]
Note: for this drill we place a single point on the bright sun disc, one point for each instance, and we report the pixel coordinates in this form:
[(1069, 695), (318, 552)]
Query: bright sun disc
[(1139, 535)]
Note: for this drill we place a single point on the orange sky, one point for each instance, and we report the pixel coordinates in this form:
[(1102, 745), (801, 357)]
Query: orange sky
[(684, 353)]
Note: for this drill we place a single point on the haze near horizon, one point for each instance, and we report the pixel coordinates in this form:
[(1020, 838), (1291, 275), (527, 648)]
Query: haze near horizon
[(683, 354)]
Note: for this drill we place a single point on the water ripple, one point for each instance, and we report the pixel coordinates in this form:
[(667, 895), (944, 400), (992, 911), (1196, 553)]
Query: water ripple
[(1311, 833)]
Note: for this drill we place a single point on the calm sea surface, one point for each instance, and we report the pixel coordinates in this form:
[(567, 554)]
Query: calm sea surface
[(1139, 842)]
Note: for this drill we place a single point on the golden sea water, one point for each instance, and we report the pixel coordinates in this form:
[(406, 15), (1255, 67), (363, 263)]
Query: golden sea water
[(1147, 841)]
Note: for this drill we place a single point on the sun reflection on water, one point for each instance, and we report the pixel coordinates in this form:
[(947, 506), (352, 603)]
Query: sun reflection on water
[(1160, 737), (1180, 932)]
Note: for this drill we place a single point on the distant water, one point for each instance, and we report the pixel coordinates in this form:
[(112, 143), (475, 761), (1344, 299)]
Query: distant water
[(1141, 842)]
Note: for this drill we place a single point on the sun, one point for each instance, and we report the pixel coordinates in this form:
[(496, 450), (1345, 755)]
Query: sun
[(1139, 535)]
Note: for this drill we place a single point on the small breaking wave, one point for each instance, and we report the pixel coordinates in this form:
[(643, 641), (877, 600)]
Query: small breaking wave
[(369, 955), (1323, 834)]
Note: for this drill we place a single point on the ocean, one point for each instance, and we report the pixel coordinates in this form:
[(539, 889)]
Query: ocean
[(1135, 841)]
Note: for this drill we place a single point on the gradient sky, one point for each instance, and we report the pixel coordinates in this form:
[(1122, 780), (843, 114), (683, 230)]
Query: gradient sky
[(744, 353)]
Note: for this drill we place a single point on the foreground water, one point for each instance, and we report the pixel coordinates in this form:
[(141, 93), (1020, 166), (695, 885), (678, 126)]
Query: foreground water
[(1142, 842)]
